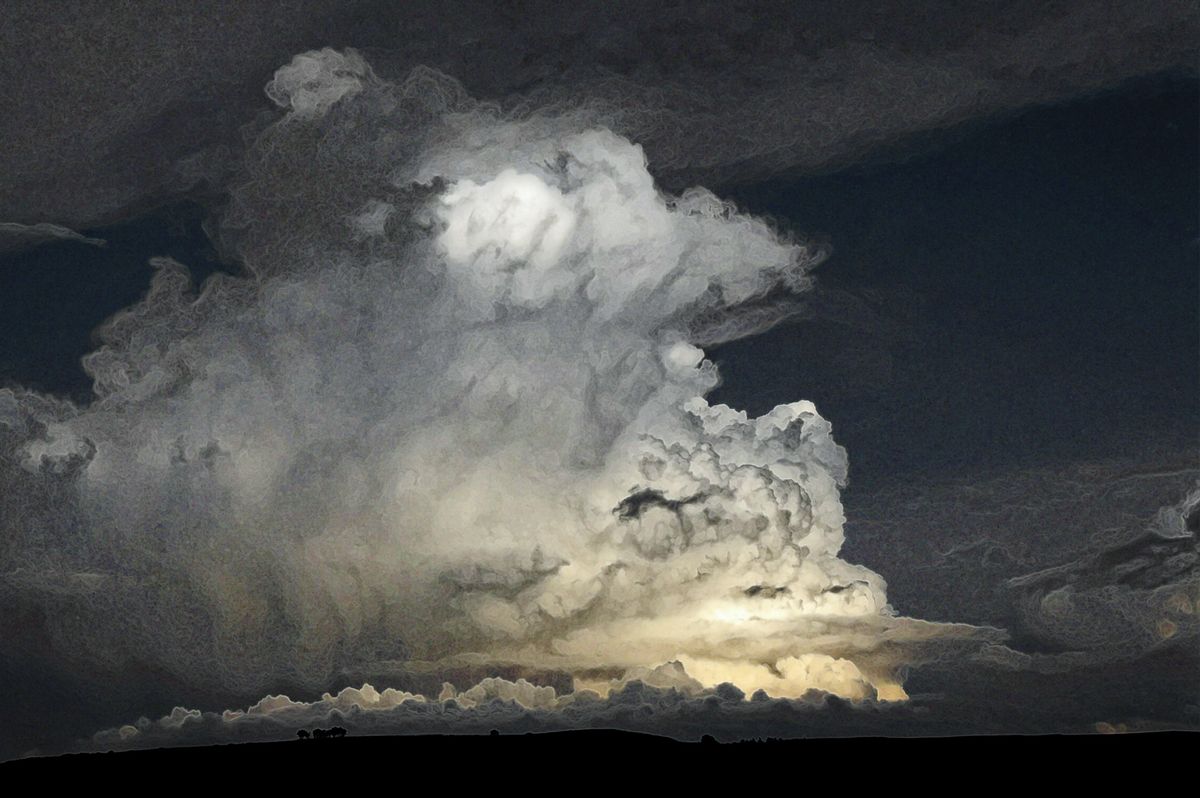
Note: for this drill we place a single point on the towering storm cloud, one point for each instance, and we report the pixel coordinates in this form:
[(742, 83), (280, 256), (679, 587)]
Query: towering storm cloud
[(454, 406)]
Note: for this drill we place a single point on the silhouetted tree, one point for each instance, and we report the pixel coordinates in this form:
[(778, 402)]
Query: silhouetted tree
[(302, 734)]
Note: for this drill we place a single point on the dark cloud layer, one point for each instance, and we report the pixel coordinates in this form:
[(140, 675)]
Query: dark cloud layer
[(111, 107)]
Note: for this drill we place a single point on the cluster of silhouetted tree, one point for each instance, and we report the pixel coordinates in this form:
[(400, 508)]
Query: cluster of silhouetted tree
[(321, 734)]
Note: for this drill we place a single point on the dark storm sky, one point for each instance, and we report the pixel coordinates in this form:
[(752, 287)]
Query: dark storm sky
[(1006, 338), (1042, 268), (1011, 307)]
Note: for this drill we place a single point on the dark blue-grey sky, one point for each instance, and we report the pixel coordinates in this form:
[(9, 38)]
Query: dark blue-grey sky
[(1006, 337)]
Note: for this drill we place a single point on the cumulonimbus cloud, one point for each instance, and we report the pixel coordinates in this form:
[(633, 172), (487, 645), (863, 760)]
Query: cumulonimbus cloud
[(452, 408)]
